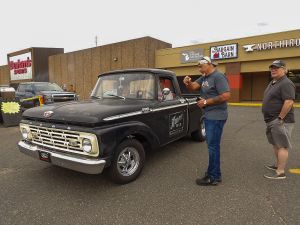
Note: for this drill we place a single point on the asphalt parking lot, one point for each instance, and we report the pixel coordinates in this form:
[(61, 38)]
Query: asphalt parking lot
[(34, 192)]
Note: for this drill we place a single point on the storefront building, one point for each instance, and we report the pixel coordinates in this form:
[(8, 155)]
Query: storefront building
[(245, 61)]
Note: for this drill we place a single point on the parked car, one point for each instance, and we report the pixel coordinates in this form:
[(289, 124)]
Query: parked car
[(33, 94), (128, 114)]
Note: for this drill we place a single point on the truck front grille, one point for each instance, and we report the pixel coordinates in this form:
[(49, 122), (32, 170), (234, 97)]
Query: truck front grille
[(63, 97), (62, 140)]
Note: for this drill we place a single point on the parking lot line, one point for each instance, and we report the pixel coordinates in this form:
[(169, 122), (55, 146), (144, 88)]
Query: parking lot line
[(294, 171)]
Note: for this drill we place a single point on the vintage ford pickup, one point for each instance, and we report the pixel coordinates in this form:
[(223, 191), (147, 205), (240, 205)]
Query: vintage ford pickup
[(130, 112)]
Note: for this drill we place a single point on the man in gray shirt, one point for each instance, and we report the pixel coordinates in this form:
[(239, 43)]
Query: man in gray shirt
[(278, 114), (215, 93)]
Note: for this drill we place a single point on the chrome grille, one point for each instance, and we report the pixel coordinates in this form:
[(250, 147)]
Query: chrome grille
[(63, 97), (63, 140)]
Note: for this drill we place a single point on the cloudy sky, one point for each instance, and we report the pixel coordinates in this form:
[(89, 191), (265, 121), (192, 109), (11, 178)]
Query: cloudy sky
[(73, 25)]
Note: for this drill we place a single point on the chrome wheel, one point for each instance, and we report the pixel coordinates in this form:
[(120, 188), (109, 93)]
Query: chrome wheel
[(203, 133), (128, 161), (200, 133)]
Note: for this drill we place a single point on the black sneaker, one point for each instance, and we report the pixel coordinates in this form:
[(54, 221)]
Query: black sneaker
[(206, 181), (275, 176), (271, 167), (219, 180)]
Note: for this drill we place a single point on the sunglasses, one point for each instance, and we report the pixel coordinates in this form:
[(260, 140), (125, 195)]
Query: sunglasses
[(203, 62), (275, 68)]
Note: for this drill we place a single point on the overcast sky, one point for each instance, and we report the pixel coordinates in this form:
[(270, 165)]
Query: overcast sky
[(73, 25)]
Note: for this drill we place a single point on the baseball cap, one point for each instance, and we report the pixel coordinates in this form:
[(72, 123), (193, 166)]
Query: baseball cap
[(278, 64), (206, 60)]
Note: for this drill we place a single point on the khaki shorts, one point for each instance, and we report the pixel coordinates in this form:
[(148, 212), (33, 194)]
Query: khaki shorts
[(279, 134)]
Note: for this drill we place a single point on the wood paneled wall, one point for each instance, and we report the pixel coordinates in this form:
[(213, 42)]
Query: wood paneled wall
[(81, 68)]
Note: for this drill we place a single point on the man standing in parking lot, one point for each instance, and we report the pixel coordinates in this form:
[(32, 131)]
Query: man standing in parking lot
[(215, 93), (278, 114)]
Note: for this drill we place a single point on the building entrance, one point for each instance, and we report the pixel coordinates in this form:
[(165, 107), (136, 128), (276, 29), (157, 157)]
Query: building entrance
[(254, 85)]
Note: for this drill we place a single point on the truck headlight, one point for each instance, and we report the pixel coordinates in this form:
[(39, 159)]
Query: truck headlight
[(26, 133), (86, 145), (48, 98)]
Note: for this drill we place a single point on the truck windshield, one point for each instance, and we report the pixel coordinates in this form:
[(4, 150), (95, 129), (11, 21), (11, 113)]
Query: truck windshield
[(126, 85), (47, 87)]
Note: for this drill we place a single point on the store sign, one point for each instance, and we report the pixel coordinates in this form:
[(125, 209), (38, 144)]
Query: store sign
[(20, 67), (191, 56), (287, 43), (224, 51)]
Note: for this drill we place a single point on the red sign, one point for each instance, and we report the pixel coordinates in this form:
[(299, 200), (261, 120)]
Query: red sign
[(20, 66)]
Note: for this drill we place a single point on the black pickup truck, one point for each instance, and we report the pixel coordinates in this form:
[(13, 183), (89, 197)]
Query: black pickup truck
[(130, 112), (33, 94)]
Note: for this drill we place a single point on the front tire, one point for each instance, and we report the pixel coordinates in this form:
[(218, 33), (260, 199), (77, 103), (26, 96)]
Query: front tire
[(200, 134), (128, 162)]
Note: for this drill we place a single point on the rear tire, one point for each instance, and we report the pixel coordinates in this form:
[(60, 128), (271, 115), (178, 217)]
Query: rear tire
[(128, 162), (199, 135)]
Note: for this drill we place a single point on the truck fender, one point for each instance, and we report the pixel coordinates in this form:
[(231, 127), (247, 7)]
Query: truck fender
[(112, 136)]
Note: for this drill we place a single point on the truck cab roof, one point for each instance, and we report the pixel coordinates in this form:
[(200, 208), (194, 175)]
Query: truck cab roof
[(149, 70)]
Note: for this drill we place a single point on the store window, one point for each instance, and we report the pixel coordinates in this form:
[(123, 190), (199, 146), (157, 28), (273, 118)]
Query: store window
[(295, 77)]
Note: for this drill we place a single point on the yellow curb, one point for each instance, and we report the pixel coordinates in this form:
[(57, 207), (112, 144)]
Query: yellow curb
[(246, 104), (294, 171), (253, 104)]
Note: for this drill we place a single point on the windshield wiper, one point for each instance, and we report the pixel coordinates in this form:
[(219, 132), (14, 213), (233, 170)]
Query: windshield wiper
[(117, 96), (97, 97)]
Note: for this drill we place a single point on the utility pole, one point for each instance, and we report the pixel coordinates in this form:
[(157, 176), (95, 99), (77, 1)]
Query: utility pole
[(96, 40)]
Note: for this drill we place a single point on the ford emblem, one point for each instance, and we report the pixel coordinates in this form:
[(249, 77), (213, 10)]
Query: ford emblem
[(47, 114)]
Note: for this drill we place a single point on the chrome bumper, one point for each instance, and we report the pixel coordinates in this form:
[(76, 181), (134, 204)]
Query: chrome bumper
[(90, 166)]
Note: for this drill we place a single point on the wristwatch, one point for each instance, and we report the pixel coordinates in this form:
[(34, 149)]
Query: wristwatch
[(280, 118), (205, 102)]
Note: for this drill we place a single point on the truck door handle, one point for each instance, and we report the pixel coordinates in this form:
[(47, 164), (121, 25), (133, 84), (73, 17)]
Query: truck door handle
[(146, 110)]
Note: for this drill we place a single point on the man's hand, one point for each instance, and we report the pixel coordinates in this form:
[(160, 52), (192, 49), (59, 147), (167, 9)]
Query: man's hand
[(200, 103), (287, 106), (187, 81), (191, 86)]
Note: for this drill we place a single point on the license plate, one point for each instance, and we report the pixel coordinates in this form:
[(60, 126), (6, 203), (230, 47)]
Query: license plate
[(45, 156)]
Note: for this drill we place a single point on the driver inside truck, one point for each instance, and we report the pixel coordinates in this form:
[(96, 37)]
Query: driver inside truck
[(165, 83)]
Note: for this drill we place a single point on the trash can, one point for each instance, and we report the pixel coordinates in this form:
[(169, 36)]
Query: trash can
[(7, 92)]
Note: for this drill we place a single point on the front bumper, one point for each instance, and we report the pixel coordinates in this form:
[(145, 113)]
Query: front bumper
[(89, 166)]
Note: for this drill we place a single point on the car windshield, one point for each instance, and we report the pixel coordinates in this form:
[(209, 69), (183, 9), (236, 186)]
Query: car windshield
[(125, 85), (47, 87)]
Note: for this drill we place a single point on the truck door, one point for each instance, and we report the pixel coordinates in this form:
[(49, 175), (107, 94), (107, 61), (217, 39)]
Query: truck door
[(170, 113)]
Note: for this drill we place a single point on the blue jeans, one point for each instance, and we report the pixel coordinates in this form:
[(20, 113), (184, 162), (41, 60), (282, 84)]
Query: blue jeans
[(214, 130)]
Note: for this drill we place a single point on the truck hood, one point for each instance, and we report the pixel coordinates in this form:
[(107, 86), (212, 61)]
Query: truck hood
[(55, 92), (85, 112)]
